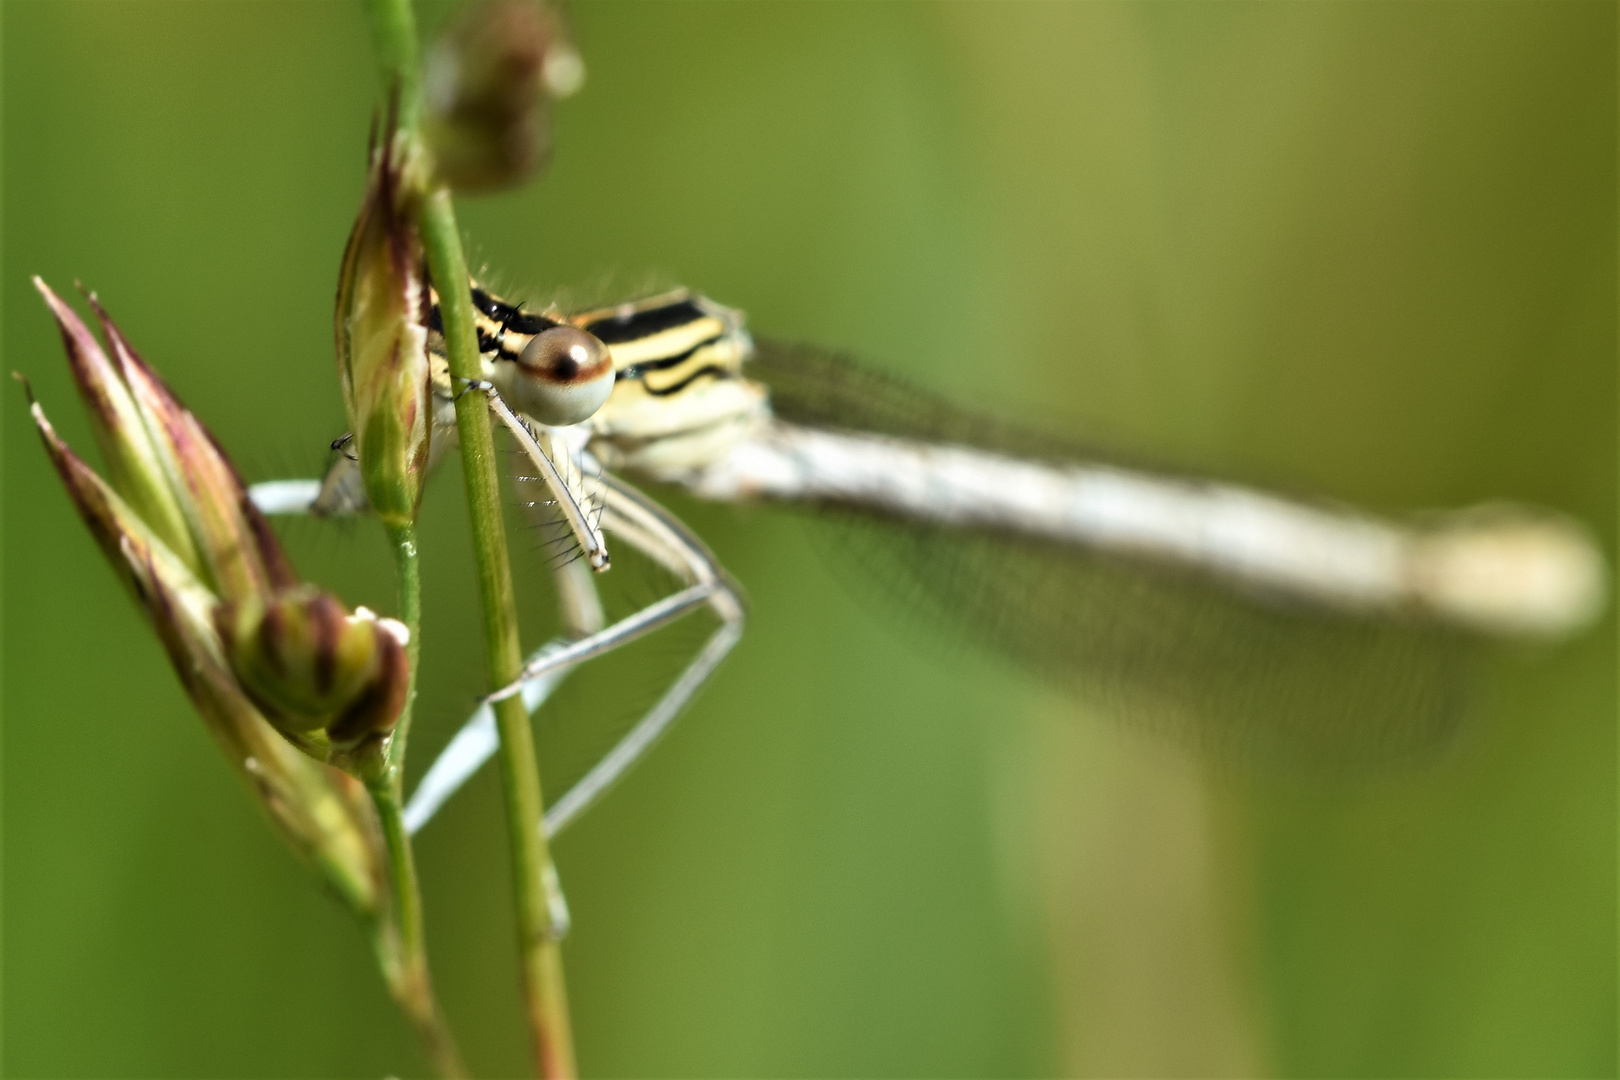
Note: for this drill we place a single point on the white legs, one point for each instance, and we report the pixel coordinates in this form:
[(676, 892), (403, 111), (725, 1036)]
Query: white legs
[(634, 519), (475, 744), (644, 525)]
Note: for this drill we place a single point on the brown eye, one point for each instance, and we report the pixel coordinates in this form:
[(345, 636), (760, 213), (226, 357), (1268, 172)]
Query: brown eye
[(563, 376)]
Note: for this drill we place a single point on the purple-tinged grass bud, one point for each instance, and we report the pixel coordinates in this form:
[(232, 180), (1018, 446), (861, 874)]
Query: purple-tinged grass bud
[(310, 665), (167, 465), (132, 459), (381, 331), (323, 677), (320, 811), (143, 559), (489, 85)]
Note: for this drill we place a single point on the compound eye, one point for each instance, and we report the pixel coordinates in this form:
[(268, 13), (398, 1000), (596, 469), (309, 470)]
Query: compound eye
[(563, 375)]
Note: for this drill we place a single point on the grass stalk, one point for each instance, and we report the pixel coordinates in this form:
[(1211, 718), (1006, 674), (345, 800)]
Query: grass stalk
[(394, 32), (408, 568), (545, 992), (409, 980), (400, 940)]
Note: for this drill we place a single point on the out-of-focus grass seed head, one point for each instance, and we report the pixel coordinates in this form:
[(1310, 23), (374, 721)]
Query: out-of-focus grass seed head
[(490, 82)]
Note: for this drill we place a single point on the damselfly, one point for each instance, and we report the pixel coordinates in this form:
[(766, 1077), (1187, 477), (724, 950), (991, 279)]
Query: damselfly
[(1263, 626)]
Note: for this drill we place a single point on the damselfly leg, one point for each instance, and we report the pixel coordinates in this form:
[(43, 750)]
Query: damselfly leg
[(566, 489), (580, 609), (645, 526)]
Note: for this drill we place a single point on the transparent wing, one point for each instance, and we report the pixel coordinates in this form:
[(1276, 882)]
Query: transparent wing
[(1239, 673), (820, 388)]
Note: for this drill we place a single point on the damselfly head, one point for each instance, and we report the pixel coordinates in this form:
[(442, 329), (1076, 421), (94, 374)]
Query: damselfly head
[(562, 376)]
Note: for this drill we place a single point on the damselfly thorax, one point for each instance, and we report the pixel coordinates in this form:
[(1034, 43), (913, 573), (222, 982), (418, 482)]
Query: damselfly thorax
[(653, 386), (1275, 627), (679, 397)]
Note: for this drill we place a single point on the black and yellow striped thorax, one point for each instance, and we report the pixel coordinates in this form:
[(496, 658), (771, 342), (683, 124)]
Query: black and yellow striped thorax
[(679, 394), (665, 343)]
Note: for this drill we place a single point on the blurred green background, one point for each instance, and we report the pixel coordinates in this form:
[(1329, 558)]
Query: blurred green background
[(1365, 250)]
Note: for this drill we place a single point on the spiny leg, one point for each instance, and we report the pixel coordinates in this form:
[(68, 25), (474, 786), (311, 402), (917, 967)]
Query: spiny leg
[(568, 500)]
